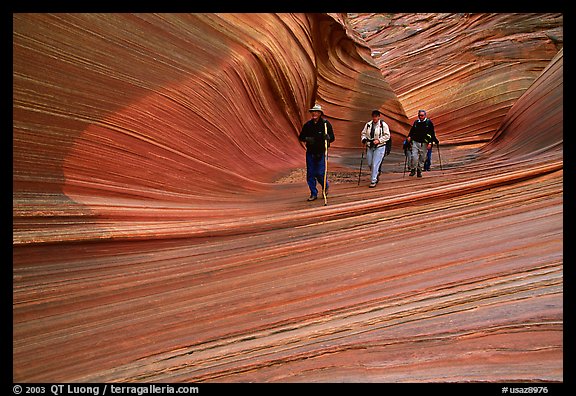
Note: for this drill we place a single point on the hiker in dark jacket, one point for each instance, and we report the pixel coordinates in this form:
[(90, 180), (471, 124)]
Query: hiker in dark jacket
[(420, 138), (315, 132)]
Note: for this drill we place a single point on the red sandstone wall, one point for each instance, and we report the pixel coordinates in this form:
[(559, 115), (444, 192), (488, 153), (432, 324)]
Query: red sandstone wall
[(466, 70), (151, 244)]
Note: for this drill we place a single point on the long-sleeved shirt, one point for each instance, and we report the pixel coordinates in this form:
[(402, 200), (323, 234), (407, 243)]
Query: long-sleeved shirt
[(313, 134), (381, 132)]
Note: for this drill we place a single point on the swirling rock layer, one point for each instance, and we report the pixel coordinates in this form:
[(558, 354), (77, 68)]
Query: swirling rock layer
[(467, 70), (152, 243)]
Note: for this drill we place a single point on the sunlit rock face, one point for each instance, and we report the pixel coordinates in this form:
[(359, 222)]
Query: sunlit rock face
[(152, 240), (176, 108), (541, 111), (467, 70)]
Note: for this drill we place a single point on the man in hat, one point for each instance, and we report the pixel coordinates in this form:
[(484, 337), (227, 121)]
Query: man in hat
[(375, 135), (315, 132)]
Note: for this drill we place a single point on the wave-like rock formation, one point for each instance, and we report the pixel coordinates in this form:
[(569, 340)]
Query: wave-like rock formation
[(467, 70), (202, 100), (152, 240)]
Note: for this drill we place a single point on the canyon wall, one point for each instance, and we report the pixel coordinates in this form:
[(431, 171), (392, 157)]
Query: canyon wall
[(466, 70), (153, 240)]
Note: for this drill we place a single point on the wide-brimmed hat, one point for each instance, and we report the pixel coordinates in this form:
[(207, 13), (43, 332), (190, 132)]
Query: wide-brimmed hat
[(317, 107)]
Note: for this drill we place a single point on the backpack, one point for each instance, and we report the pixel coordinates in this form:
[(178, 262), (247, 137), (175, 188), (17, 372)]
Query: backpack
[(388, 142)]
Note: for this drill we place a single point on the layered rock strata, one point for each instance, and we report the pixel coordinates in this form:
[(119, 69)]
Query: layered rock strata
[(467, 70), (150, 242)]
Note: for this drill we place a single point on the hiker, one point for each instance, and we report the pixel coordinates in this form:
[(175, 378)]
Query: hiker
[(428, 161), (420, 138), (375, 136), (315, 132)]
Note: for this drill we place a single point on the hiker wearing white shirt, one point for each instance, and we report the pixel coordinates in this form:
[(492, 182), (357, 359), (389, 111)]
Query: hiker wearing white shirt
[(376, 136)]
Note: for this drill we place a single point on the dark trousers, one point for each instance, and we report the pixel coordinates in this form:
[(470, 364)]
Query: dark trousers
[(315, 167)]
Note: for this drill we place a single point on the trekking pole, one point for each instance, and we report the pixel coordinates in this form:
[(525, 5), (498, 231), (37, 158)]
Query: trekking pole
[(361, 160), (325, 164), (439, 158)]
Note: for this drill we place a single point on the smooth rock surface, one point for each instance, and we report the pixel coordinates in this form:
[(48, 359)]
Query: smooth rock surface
[(158, 234), (466, 70)]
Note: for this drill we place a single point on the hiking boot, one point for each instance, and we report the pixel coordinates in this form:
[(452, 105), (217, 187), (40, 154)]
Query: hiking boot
[(372, 185), (312, 198), (412, 172), (419, 173)]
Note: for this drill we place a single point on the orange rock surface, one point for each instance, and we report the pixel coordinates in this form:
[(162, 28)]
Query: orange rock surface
[(467, 70), (160, 224)]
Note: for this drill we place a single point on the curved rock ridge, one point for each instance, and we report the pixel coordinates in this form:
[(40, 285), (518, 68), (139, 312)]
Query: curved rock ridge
[(176, 107), (467, 70), (147, 250), (116, 109), (177, 101), (543, 98), (350, 84)]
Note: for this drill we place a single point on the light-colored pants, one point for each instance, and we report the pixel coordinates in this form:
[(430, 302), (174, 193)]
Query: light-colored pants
[(374, 158), (417, 156)]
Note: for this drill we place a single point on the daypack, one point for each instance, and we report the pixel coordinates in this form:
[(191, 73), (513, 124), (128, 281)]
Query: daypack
[(388, 142)]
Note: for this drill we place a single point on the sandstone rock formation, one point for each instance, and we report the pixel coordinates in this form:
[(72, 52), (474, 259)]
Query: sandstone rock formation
[(467, 70), (152, 241)]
